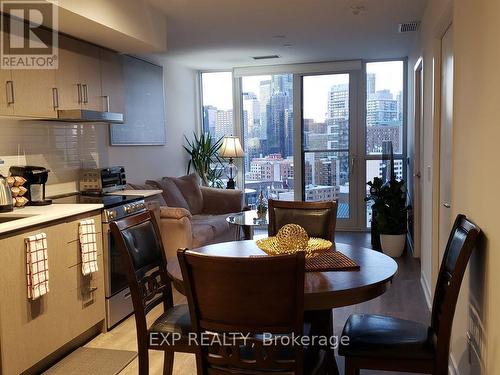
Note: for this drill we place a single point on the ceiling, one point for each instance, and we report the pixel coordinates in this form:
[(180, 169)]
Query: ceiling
[(219, 34)]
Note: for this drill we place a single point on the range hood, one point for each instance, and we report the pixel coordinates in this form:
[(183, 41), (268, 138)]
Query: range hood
[(85, 115)]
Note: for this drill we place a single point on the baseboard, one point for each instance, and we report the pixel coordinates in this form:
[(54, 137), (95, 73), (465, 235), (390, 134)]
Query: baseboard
[(427, 291), (452, 366)]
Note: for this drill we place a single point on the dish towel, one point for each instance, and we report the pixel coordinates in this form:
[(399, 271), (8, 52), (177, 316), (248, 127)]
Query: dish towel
[(37, 265), (88, 246)]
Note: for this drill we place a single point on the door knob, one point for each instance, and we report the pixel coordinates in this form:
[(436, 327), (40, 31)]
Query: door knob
[(417, 175), (447, 205)]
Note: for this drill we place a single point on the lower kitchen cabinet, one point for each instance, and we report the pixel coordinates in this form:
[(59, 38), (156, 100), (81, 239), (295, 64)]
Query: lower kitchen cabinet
[(30, 331)]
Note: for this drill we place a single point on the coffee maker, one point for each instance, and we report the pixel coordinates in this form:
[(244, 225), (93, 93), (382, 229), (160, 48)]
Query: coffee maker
[(36, 178)]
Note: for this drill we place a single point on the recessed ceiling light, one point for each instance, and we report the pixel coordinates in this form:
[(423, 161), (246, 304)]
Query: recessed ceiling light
[(265, 57)]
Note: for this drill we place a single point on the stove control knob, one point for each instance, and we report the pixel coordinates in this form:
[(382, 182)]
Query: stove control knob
[(126, 208), (111, 214)]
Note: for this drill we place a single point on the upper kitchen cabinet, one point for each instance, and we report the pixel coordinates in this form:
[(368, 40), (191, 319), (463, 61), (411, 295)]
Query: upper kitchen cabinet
[(112, 81), (78, 79), (30, 92), (6, 107)]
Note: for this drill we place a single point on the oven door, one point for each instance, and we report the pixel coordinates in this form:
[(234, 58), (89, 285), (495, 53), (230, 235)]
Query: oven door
[(116, 272), (118, 298)]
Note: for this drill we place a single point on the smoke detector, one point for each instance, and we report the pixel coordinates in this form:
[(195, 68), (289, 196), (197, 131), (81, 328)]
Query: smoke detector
[(356, 9), (408, 27)]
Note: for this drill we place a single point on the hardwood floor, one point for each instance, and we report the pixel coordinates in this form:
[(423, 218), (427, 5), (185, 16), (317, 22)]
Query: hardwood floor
[(404, 299)]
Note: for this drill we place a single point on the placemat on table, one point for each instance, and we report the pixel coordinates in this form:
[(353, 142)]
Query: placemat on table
[(330, 261)]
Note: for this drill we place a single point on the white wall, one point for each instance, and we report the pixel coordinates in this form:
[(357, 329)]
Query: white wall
[(436, 19), (149, 162), (476, 174), (475, 178)]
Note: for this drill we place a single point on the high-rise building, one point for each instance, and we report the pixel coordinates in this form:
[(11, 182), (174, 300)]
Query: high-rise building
[(209, 119), (265, 97), (224, 123), (251, 115), (338, 102), (382, 109), (337, 120), (370, 84)]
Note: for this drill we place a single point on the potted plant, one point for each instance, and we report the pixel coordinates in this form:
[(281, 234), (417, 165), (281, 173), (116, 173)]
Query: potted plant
[(390, 212), (204, 153)]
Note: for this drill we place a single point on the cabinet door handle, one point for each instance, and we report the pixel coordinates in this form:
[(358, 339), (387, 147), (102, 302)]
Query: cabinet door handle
[(10, 92), (106, 97), (79, 89), (55, 97), (85, 93)]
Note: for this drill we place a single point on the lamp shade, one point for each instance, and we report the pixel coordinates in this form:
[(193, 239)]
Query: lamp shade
[(231, 148)]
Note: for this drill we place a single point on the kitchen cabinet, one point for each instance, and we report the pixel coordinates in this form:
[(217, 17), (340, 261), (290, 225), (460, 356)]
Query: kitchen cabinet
[(5, 89), (112, 81), (30, 331), (78, 79), (30, 92)]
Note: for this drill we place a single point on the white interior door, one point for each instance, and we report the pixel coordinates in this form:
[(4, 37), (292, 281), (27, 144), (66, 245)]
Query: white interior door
[(446, 133)]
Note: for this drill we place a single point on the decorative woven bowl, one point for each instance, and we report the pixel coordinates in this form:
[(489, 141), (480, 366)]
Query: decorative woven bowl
[(292, 238)]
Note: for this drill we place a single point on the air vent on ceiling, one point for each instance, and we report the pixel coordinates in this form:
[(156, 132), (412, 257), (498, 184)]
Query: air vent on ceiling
[(408, 26), (265, 57)]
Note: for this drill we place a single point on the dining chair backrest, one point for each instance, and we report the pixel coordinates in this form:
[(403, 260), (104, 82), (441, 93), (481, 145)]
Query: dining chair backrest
[(317, 218), (253, 296), (462, 241), (139, 242)]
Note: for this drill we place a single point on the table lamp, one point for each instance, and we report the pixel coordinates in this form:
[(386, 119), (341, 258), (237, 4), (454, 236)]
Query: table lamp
[(231, 148)]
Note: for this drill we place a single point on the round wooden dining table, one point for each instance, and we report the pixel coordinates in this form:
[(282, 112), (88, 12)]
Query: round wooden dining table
[(323, 291)]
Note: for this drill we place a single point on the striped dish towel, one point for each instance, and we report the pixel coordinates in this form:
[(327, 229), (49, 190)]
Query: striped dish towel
[(88, 246), (37, 265)]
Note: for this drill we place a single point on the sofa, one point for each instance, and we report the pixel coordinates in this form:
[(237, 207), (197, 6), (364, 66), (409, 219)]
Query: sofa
[(192, 215)]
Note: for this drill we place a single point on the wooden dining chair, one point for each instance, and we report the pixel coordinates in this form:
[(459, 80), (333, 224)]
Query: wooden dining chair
[(380, 342), (248, 296), (139, 242), (317, 218)]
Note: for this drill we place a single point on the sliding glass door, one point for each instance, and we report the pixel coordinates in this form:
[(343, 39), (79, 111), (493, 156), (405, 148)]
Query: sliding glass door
[(317, 132), (328, 142)]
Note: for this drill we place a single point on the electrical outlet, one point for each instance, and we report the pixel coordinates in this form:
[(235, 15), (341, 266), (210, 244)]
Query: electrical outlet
[(476, 341)]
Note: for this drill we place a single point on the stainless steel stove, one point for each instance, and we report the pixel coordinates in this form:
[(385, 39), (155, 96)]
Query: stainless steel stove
[(118, 301)]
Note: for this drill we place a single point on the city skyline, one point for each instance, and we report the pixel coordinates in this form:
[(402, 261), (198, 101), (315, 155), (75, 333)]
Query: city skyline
[(218, 86)]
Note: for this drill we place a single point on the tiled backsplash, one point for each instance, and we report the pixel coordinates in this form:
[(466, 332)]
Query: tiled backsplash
[(61, 147)]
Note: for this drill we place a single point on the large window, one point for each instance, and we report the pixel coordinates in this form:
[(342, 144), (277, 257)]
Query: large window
[(384, 120), (384, 106), (217, 101), (267, 124)]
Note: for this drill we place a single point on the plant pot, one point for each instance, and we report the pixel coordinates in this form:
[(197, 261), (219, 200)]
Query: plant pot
[(393, 245)]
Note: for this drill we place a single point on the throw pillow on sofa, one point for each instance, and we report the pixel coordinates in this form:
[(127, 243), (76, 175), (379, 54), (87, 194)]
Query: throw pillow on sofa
[(171, 193), (190, 188)]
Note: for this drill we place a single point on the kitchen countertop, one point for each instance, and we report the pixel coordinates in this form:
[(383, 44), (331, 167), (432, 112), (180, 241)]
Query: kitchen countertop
[(35, 215), (143, 193)]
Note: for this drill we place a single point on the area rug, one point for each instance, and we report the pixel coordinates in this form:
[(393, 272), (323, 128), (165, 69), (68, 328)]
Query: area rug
[(85, 361)]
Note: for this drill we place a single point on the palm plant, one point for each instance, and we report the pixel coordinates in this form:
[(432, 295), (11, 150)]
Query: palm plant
[(204, 153)]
